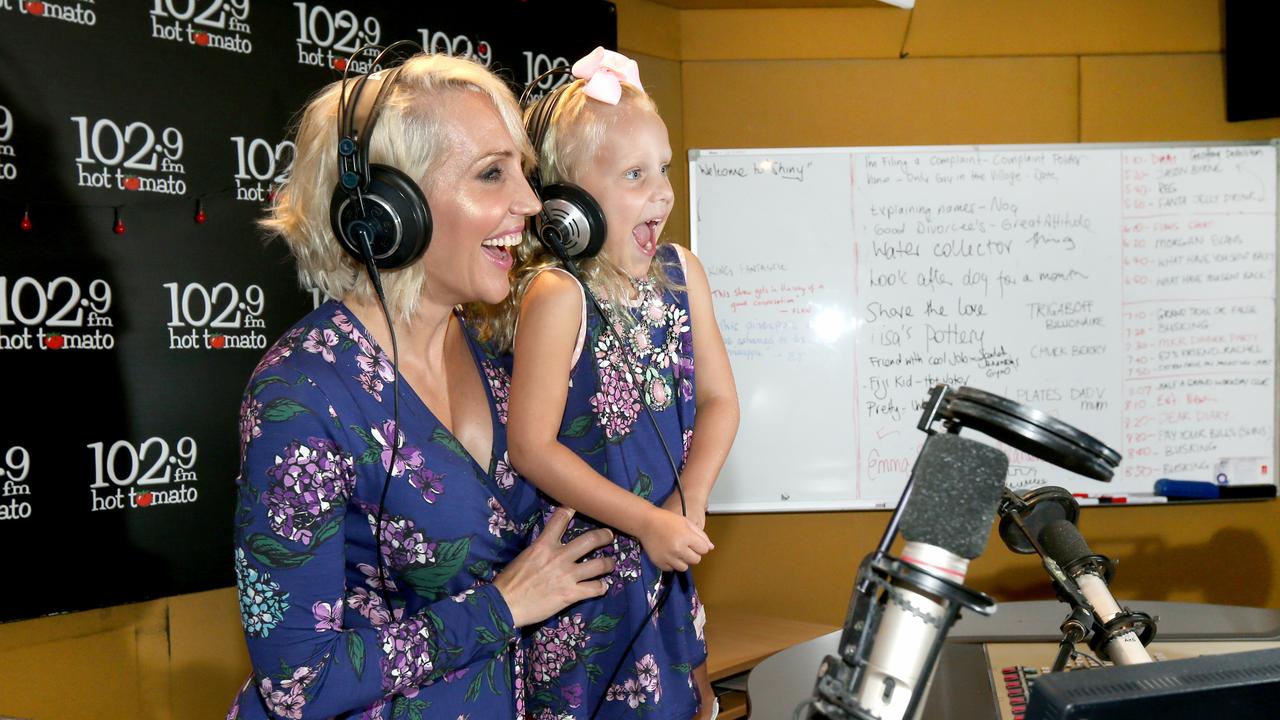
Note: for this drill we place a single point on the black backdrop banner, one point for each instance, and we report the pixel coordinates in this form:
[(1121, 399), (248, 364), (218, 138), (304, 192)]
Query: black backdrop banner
[(139, 142)]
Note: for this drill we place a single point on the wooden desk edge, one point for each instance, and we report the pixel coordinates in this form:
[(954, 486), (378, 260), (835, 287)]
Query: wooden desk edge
[(737, 641)]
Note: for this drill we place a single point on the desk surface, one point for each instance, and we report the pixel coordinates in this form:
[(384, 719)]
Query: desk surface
[(737, 641), (782, 681)]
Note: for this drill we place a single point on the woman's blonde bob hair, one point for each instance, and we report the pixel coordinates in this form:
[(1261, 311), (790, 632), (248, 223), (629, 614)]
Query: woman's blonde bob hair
[(406, 136), (574, 134)]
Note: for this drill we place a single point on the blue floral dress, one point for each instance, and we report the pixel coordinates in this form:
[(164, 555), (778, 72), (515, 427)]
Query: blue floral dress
[(571, 658), (316, 434)]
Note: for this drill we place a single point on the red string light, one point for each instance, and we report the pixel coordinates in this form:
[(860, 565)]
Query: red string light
[(26, 220), (200, 216), (118, 228)]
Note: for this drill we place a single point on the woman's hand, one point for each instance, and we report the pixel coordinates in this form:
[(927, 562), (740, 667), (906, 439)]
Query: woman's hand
[(672, 541), (547, 577)]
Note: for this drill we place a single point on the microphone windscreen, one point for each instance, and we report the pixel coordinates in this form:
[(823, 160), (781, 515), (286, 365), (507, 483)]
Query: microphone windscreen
[(955, 491), (1063, 542), (1044, 505)]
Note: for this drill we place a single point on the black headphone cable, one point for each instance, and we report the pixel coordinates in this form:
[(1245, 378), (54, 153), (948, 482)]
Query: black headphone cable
[(668, 577), (384, 575)]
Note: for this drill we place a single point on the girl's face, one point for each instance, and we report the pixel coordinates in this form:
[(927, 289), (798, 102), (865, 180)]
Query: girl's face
[(628, 177)]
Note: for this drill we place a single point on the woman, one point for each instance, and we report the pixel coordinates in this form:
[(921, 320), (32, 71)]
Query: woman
[(382, 566)]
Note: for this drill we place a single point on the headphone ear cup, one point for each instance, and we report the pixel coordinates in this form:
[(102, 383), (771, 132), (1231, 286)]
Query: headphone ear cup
[(571, 223), (396, 219)]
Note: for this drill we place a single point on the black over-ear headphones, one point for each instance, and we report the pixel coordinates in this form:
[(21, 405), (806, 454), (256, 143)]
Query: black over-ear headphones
[(571, 224), (377, 212)]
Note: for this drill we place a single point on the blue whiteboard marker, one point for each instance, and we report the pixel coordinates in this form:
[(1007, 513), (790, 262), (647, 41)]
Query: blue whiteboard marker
[(1187, 489)]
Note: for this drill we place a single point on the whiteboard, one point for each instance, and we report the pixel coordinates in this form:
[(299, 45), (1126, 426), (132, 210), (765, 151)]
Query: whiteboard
[(1128, 290)]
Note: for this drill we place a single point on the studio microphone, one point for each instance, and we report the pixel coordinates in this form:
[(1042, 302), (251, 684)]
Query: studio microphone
[(1023, 515), (946, 522), (1064, 544)]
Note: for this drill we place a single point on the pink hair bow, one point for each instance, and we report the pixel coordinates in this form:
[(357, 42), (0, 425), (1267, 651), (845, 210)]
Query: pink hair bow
[(605, 71)]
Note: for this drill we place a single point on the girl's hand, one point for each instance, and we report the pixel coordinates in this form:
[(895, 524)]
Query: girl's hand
[(547, 576), (673, 542), (694, 508)]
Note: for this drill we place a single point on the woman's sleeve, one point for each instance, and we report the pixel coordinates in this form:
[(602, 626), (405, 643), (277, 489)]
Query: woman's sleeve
[(293, 516)]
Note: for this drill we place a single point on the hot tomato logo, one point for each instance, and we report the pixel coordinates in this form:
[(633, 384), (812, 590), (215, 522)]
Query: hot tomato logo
[(221, 24), (261, 166), (327, 39), (138, 475), (132, 156), (217, 318), (14, 491), (78, 12), (8, 170), (62, 313)]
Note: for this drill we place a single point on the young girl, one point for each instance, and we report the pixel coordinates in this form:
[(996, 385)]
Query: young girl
[(578, 426)]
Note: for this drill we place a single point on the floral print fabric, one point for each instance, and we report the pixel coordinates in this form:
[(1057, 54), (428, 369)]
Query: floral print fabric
[(328, 633), (571, 660)]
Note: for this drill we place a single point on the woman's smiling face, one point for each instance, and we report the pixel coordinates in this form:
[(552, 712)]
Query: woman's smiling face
[(479, 200)]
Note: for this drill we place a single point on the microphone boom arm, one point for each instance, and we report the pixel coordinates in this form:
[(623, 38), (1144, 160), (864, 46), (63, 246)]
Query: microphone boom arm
[(1013, 510)]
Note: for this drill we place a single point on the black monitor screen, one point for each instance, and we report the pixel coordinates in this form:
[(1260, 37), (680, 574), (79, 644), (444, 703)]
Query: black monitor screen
[(1252, 59), (1241, 686)]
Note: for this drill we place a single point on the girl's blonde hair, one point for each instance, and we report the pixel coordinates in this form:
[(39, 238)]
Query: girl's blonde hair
[(574, 134), (406, 136)]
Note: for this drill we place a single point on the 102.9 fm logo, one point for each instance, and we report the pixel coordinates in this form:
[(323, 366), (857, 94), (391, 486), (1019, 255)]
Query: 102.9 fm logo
[(327, 39), (64, 313), (153, 472), (14, 491), (222, 24), (133, 157), (217, 318), (261, 166), (8, 170)]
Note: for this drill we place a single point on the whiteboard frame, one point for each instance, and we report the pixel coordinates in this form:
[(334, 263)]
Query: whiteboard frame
[(695, 154)]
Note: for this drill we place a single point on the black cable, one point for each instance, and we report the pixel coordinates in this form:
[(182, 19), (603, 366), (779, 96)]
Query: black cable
[(634, 364), (667, 578), (384, 577), (348, 109)]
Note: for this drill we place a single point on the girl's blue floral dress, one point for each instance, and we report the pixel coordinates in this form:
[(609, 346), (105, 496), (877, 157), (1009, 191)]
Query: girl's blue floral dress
[(316, 434), (571, 658)]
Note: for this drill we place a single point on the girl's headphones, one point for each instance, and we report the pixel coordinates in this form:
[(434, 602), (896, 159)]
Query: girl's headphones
[(377, 212), (571, 224)]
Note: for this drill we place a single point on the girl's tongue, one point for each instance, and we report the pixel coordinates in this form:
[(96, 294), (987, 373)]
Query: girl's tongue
[(646, 237)]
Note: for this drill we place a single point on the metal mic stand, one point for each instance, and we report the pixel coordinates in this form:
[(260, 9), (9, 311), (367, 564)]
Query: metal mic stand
[(841, 676), (1010, 422), (1081, 624)]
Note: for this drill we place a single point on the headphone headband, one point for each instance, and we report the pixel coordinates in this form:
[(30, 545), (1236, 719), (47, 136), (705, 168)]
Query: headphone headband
[(349, 140), (542, 111), (571, 223), (377, 212)]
